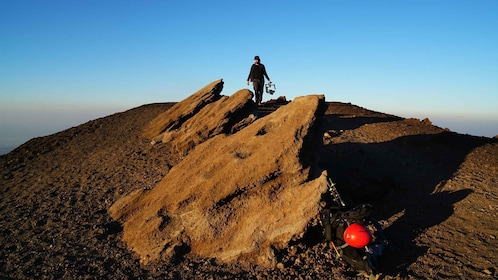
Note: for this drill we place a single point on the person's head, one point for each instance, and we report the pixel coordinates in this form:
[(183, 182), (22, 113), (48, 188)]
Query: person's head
[(256, 59)]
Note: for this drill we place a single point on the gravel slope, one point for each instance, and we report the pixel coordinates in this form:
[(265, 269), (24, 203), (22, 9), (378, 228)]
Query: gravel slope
[(433, 190)]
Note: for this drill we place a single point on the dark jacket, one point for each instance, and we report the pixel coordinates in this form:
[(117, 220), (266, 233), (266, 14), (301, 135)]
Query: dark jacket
[(257, 72)]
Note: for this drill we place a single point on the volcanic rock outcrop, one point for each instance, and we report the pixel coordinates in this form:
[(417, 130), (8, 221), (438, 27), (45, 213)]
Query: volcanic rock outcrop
[(225, 115), (234, 197), (182, 111), (186, 125)]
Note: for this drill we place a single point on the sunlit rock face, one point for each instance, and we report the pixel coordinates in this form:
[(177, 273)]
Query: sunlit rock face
[(221, 116), (236, 196), (174, 117)]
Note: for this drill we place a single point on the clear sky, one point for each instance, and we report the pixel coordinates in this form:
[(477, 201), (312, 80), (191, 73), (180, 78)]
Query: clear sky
[(63, 63)]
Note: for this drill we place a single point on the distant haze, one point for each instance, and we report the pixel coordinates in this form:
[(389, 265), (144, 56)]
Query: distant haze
[(63, 63), (477, 127), (20, 125), (15, 131)]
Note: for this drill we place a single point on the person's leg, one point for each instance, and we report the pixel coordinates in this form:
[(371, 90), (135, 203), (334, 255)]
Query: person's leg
[(258, 91)]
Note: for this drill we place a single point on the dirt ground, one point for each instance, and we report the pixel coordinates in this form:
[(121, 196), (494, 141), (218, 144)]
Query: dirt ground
[(434, 192)]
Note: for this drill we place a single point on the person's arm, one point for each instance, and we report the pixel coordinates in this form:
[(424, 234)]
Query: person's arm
[(250, 74), (266, 75)]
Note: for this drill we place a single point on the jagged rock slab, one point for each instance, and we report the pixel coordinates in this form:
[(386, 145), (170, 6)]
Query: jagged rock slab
[(233, 197), (174, 117), (221, 116)]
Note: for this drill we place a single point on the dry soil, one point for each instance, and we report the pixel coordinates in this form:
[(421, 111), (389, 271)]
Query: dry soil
[(434, 192)]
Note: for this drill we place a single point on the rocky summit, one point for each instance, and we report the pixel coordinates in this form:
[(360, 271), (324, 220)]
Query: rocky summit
[(433, 191), (234, 197)]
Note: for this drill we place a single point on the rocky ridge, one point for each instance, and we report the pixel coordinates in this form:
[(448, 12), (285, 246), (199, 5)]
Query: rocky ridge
[(211, 203), (436, 200)]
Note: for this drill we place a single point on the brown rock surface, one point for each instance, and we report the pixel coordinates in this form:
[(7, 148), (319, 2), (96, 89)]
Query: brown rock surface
[(218, 117), (233, 197), (180, 112)]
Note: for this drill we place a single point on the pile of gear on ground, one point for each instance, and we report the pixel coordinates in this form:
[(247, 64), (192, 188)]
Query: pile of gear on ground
[(357, 237)]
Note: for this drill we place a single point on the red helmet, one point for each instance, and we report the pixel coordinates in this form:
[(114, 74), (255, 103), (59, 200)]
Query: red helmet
[(357, 235)]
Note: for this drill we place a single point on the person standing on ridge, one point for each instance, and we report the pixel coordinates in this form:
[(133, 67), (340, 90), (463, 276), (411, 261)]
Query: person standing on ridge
[(257, 77)]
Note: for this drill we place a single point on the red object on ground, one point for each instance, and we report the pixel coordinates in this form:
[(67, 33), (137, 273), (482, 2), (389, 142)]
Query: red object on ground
[(357, 235)]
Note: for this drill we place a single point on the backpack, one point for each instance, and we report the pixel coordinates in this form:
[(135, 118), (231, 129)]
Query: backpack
[(335, 219)]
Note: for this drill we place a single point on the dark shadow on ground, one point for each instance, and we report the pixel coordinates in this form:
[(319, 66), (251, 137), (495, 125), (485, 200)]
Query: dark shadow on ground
[(343, 122), (398, 176)]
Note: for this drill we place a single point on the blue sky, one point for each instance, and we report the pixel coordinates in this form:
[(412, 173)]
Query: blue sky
[(63, 63)]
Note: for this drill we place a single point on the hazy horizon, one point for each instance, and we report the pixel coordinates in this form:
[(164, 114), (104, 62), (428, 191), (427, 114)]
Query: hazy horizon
[(65, 62), (13, 136)]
